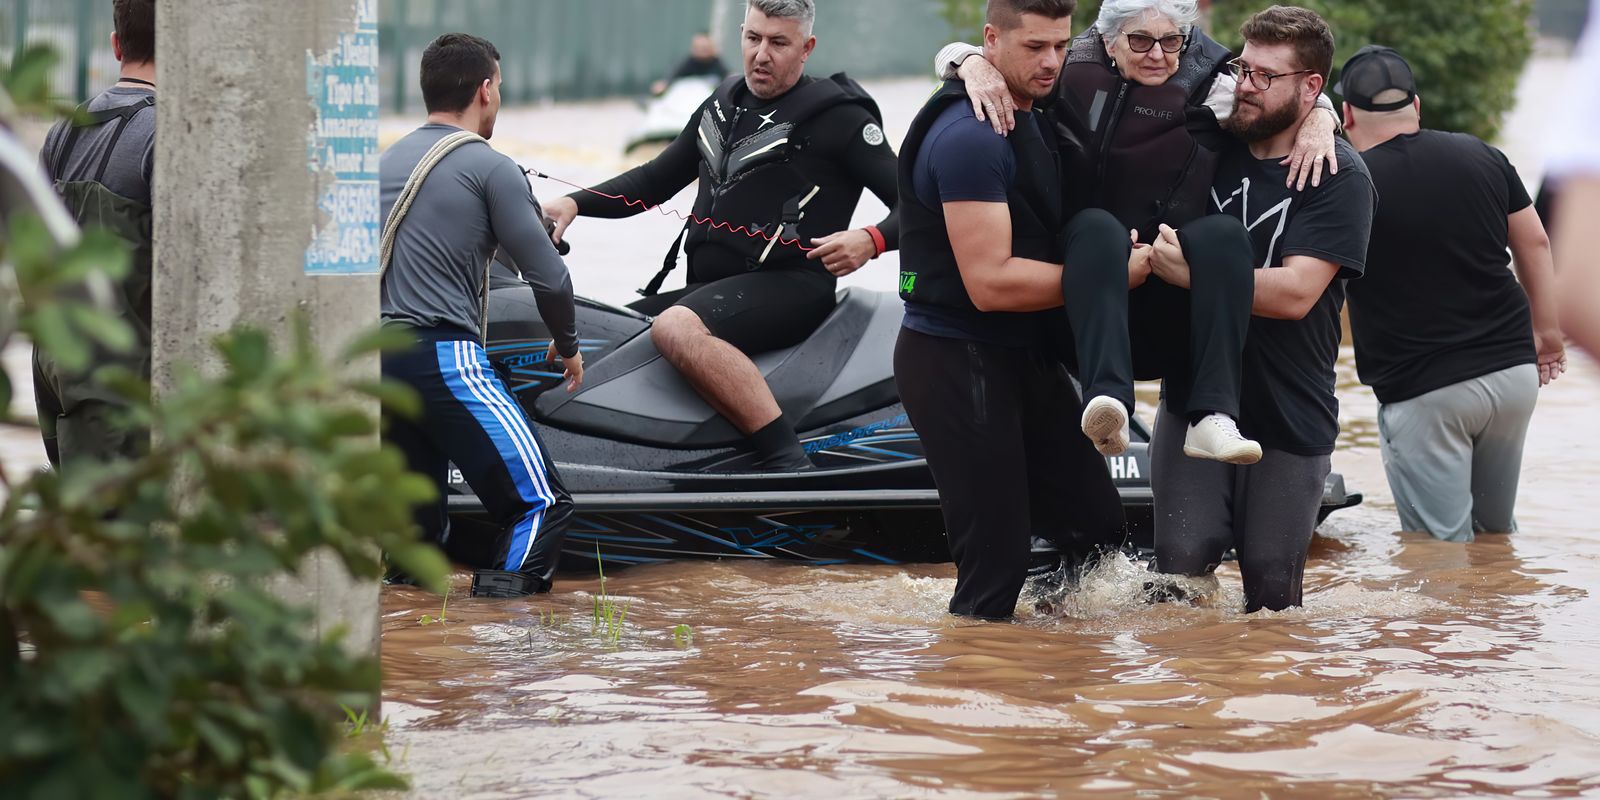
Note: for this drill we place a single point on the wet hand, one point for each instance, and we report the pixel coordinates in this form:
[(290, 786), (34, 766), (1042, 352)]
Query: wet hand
[(1552, 355), (572, 368), (991, 98), (844, 252), (1313, 148), (1167, 261), (560, 212)]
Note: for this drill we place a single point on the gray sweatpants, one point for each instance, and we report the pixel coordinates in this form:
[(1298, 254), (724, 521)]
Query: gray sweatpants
[(1454, 455), (1266, 511)]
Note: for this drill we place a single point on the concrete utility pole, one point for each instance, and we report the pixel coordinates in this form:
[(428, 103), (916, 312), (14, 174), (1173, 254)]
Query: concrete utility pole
[(266, 200)]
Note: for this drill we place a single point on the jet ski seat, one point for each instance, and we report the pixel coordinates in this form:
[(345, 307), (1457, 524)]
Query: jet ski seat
[(844, 369)]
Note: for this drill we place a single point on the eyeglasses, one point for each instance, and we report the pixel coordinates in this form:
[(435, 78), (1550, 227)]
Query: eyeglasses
[(1141, 43), (1260, 80)]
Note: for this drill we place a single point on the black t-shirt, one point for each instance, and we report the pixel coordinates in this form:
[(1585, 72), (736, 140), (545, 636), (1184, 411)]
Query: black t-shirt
[(962, 159), (1439, 305), (1287, 400)]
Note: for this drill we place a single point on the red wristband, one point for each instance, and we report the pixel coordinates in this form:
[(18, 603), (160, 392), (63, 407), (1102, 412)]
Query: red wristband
[(878, 242)]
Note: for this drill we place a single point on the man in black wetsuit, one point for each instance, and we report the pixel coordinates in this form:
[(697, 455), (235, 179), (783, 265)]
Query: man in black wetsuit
[(782, 159)]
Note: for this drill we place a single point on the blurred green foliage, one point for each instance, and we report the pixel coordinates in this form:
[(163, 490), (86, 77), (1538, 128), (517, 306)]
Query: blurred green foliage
[(143, 650)]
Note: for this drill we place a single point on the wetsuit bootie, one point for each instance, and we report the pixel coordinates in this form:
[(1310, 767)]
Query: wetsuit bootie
[(500, 584), (778, 448)]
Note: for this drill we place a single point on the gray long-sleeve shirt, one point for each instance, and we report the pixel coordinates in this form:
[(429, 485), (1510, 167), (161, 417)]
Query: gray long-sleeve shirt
[(474, 200)]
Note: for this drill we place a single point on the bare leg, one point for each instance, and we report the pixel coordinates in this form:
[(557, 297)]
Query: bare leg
[(725, 377)]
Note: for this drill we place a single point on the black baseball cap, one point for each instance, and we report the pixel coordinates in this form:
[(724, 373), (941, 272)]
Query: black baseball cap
[(1373, 70)]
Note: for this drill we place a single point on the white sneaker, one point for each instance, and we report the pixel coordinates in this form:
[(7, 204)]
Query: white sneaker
[(1217, 437), (1105, 422)]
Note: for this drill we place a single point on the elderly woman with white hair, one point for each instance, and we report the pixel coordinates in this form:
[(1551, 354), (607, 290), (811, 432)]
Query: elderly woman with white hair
[(1140, 112)]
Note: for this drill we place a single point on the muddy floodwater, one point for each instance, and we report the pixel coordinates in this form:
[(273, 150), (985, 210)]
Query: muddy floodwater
[(1416, 669)]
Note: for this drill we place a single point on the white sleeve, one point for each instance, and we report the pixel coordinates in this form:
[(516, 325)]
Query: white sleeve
[(950, 57), (1574, 147), (1220, 98)]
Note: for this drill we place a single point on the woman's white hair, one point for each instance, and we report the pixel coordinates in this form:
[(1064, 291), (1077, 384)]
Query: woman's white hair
[(1116, 13)]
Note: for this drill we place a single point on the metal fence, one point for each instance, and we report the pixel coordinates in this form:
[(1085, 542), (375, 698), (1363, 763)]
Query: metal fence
[(551, 49), (78, 30)]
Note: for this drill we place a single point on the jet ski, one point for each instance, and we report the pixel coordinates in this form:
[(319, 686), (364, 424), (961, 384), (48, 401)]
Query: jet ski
[(664, 115), (657, 475)]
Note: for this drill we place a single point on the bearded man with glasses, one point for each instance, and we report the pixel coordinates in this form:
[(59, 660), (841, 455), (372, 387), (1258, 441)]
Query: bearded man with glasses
[(1306, 245)]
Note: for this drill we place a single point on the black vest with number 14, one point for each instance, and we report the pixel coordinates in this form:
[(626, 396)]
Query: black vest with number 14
[(928, 272)]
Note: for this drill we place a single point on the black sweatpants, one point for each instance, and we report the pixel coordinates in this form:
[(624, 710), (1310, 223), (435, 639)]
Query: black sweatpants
[(999, 426), (470, 419), (1193, 338)]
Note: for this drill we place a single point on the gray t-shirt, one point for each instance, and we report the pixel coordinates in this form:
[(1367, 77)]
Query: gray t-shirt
[(474, 200), (131, 166)]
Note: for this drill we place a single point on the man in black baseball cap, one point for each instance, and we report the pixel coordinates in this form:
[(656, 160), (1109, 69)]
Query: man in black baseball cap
[(1378, 79), (1454, 347)]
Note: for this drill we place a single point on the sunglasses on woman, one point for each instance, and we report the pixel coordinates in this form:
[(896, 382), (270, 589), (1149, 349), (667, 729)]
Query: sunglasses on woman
[(1141, 43)]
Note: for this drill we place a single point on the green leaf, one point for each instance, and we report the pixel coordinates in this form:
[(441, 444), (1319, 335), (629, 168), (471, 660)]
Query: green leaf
[(246, 351), (423, 562), (28, 78), (223, 743), (395, 397), (52, 332), (72, 617), (377, 340), (83, 670), (350, 422), (109, 331)]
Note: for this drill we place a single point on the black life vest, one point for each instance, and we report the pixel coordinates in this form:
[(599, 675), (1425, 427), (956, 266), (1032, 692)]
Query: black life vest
[(755, 191), (928, 270), (1144, 153)]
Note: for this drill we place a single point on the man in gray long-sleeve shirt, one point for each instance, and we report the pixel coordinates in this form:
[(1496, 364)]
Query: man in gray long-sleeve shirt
[(473, 201)]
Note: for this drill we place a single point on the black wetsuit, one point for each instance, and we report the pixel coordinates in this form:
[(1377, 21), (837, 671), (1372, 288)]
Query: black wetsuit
[(755, 297)]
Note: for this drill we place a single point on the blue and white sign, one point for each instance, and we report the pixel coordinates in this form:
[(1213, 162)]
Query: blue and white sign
[(343, 150)]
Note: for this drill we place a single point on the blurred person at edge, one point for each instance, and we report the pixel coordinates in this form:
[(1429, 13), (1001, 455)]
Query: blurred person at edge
[(1574, 160)]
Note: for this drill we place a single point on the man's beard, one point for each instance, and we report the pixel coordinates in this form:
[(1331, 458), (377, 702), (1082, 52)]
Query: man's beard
[(1267, 124)]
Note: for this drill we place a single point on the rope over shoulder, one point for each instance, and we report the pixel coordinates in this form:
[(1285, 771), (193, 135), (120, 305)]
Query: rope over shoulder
[(408, 195)]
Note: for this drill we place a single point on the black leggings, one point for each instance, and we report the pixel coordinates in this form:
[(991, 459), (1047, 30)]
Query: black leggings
[(999, 426), (1194, 338), (1265, 512)]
